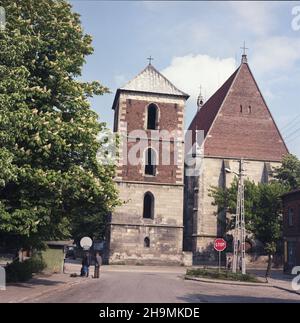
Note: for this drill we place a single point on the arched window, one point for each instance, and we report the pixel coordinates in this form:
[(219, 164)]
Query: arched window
[(148, 211), (249, 109), (152, 114), (241, 109), (150, 162), (147, 242)]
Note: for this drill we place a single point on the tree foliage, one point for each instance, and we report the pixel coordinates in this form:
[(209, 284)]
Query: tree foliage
[(263, 209), (51, 184), (289, 172)]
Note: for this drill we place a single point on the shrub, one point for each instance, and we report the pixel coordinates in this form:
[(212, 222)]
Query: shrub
[(223, 275), (21, 271)]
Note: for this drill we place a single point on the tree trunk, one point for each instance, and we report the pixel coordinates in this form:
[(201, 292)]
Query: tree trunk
[(268, 272)]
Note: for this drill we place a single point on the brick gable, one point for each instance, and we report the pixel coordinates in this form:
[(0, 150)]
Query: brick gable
[(237, 122)]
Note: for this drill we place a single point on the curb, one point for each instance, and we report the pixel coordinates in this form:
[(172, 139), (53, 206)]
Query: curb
[(40, 294), (227, 282), (236, 283)]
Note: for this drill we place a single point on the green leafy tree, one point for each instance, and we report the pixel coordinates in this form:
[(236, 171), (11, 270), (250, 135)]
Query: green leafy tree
[(263, 211), (51, 184), (289, 172), (225, 199)]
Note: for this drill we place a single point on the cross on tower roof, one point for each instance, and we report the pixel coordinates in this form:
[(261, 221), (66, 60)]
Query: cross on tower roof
[(150, 59), (244, 56)]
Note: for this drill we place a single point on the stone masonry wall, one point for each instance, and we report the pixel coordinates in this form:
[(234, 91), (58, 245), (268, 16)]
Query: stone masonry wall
[(128, 228)]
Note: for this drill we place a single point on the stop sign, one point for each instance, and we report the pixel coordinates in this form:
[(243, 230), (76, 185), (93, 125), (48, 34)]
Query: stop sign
[(220, 244)]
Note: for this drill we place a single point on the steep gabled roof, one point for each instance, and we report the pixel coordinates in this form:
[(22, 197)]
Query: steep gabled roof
[(205, 117), (237, 122), (150, 80)]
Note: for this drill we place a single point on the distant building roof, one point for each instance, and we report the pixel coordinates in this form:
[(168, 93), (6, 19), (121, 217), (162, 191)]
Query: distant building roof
[(60, 243)]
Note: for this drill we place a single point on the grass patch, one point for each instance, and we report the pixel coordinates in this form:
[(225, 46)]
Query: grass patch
[(214, 273)]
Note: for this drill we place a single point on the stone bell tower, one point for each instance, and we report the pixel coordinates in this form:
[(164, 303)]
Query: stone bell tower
[(149, 117)]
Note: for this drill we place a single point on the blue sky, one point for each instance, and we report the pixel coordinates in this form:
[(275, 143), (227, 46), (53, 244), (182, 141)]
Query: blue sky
[(197, 43)]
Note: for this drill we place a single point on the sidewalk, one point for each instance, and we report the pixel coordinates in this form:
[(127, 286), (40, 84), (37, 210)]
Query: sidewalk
[(40, 285), (278, 279)]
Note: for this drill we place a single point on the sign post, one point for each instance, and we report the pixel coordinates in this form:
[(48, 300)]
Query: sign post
[(220, 245)]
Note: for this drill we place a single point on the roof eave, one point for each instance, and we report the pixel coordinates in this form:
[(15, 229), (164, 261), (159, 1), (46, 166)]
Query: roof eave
[(119, 91)]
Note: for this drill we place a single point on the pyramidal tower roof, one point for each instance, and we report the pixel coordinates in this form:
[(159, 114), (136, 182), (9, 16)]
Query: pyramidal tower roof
[(152, 81), (237, 122)]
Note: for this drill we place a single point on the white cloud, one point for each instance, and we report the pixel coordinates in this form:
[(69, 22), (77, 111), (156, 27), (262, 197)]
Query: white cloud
[(256, 16), (276, 54), (120, 80), (190, 71)]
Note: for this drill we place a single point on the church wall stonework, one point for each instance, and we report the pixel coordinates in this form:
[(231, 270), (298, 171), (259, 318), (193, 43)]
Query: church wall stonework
[(128, 228), (207, 224), (132, 116)]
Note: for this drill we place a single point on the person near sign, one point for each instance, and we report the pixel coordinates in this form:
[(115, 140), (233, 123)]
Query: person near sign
[(98, 263)]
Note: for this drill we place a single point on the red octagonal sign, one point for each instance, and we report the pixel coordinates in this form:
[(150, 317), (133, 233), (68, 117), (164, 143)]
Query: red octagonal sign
[(220, 244)]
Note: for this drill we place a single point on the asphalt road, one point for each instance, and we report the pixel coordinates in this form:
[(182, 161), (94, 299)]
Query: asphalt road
[(160, 285)]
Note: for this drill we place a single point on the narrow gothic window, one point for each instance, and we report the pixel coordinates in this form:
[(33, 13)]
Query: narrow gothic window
[(249, 109), (147, 242), (150, 162), (152, 116), (241, 109), (148, 211)]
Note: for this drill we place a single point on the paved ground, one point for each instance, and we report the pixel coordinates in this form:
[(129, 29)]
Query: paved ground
[(41, 285), (124, 284)]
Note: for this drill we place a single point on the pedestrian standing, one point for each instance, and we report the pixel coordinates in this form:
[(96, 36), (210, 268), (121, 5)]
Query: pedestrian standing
[(85, 265), (98, 263)]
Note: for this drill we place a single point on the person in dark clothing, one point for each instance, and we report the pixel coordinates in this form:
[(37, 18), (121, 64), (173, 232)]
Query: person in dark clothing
[(229, 263), (98, 263), (85, 265)]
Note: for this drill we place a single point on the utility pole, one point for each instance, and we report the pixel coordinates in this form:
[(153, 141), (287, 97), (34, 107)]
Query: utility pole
[(239, 246)]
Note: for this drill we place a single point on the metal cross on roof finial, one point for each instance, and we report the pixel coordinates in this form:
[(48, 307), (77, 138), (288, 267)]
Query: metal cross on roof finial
[(244, 48), (244, 56), (150, 59)]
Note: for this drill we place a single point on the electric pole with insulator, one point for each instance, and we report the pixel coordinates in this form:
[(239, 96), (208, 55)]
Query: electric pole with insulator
[(239, 242)]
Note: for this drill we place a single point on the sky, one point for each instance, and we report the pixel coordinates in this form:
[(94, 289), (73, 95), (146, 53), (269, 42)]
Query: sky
[(197, 43)]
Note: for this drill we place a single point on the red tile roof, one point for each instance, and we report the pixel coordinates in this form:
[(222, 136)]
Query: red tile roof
[(205, 117), (230, 133)]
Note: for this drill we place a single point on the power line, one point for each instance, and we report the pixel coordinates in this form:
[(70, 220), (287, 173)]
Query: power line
[(292, 133), (287, 125), (290, 141), (289, 131), (292, 138)]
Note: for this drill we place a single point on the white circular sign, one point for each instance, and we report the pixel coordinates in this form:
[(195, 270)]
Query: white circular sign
[(86, 242)]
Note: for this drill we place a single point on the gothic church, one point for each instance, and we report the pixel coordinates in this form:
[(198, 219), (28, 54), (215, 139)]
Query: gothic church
[(167, 215)]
